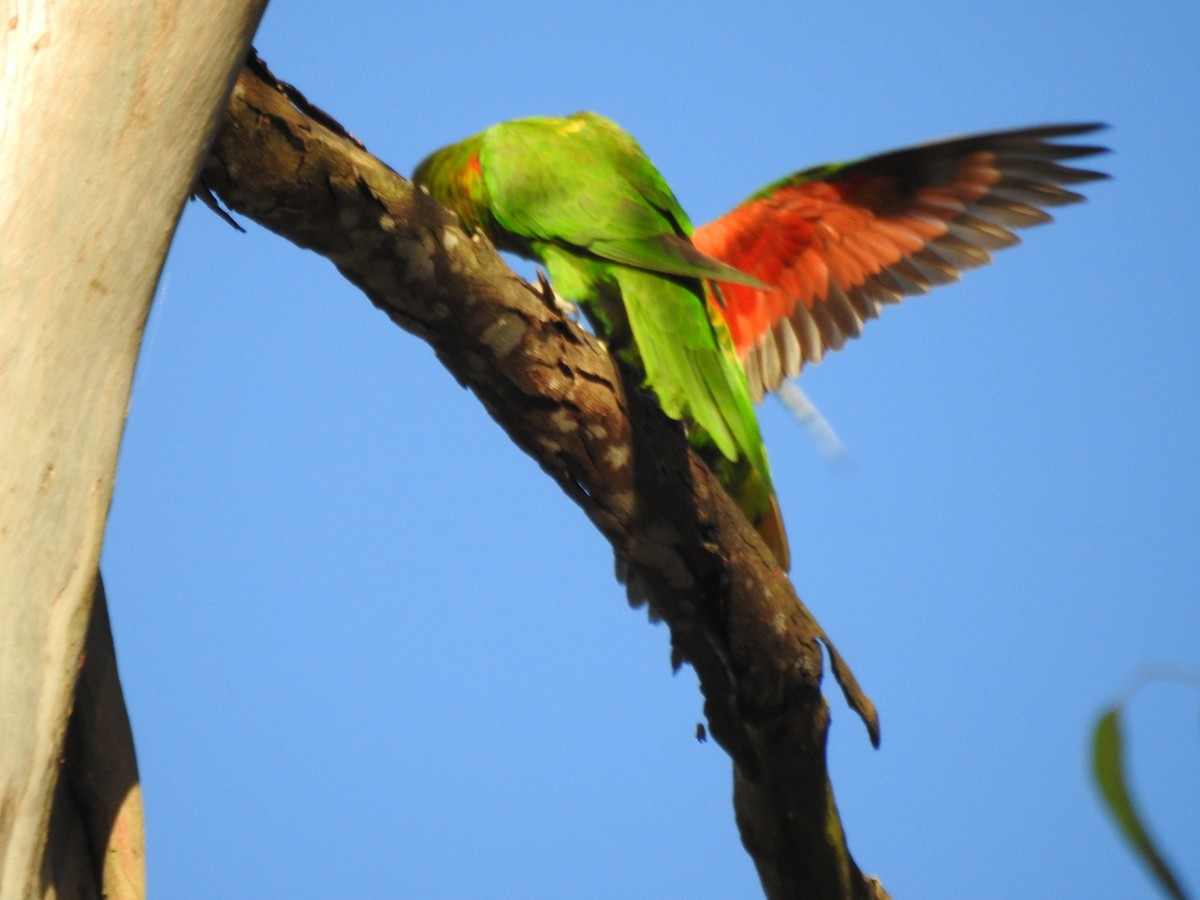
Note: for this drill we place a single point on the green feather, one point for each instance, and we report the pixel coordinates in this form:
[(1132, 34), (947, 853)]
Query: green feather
[(579, 195)]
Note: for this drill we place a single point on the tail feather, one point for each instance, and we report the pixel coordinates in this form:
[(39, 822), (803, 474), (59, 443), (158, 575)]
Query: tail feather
[(689, 362), (770, 528), (753, 494)]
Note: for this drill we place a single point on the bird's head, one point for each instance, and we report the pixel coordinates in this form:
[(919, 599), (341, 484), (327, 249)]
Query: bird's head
[(454, 177)]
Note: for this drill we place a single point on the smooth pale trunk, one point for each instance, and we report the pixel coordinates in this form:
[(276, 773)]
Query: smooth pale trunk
[(106, 111)]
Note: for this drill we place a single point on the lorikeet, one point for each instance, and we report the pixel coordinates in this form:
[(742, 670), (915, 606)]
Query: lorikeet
[(580, 196), (791, 272)]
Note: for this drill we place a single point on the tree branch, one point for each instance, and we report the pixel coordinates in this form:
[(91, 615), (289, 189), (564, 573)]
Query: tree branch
[(732, 612)]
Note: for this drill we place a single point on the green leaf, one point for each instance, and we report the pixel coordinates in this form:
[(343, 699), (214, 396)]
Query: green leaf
[(1109, 769)]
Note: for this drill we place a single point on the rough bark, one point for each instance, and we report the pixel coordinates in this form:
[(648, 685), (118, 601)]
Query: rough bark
[(733, 613), (107, 113)]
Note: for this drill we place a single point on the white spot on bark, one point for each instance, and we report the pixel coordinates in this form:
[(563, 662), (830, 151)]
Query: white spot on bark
[(663, 559), (617, 457), (418, 261), (779, 622), (563, 421), (622, 502), (504, 335)]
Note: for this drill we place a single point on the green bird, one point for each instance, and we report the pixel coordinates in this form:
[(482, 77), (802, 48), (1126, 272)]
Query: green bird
[(578, 195), (792, 272)]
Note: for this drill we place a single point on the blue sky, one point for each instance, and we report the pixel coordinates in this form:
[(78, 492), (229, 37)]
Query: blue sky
[(370, 650)]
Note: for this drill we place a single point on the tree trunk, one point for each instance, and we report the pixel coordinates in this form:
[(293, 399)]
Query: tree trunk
[(107, 113)]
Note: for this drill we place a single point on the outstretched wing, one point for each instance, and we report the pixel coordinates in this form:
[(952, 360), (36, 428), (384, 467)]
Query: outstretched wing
[(837, 242)]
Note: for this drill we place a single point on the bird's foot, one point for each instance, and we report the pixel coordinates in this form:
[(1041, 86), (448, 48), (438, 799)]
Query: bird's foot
[(550, 298)]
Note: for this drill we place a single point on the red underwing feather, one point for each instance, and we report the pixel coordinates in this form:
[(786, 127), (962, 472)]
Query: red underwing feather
[(838, 242)]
